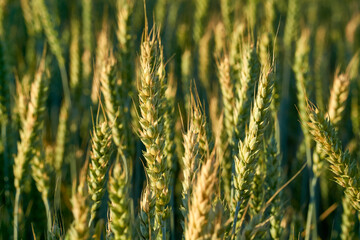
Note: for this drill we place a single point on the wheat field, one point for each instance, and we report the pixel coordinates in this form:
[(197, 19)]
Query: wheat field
[(180, 119)]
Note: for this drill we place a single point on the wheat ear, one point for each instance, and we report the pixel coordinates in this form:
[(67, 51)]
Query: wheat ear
[(191, 163), (341, 165), (247, 158), (249, 76), (273, 183), (29, 135), (119, 204), (201, 198), (99, 164), (337, 103), (152, 107)]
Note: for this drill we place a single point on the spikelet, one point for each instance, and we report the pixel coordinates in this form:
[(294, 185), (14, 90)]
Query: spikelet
[(98, 166), (119, 204), (247, 158), (201, 198), (147, 203)]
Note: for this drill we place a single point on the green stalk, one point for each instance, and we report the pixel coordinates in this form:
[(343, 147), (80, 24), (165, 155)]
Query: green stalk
[(48, 216), (16, 213)]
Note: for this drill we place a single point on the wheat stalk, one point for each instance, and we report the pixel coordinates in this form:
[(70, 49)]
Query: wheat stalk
[(86, 40), (74, 55)]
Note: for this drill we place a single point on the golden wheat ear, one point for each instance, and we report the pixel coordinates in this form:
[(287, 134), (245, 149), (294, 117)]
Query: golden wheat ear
[(197, 221), (152, 133)]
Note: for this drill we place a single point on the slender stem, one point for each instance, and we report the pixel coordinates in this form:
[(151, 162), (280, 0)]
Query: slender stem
[(48, 215), (6, 162), (311, 223), (65, 84), (16, 213)]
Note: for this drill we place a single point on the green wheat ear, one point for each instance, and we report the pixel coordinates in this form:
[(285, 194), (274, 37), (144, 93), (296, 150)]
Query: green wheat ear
[(119, 204), (273, 182), (98, 166), (341, 165), (247, 159)]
